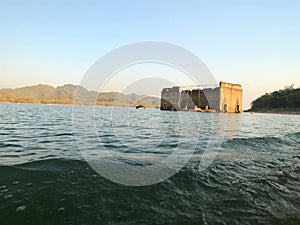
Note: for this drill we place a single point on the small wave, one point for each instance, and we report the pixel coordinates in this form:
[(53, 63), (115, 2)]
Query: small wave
[(43, 165), (64, 134), (263, 143), (3, 145)]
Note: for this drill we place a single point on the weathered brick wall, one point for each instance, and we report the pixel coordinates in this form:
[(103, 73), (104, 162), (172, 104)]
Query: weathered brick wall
[(231, 97), (170, 98)]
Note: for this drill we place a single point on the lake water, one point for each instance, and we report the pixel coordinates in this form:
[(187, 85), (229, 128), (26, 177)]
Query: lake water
[(44, 179)]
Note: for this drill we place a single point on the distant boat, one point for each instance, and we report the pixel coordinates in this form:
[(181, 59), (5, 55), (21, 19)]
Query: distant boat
[(140, 106)]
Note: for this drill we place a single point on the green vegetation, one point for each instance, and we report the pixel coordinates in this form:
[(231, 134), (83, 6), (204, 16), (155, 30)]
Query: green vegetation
[(282, 101), (45, 94)]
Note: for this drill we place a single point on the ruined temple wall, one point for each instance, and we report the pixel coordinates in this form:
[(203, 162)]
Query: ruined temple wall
[(231, 97), (213, 97), (170, 98), (225, 98)]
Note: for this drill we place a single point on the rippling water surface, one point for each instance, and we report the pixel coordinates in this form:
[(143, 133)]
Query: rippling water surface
[(254, 179)]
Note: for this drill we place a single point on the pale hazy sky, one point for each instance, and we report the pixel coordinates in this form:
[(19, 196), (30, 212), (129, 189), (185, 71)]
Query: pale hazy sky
[(252, 42)]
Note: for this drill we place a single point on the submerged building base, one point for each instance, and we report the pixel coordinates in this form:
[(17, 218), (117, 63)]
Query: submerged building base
[(225, 98)]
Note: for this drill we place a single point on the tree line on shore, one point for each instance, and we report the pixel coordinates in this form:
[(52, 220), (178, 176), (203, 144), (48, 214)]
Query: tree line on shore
[(289, 97)]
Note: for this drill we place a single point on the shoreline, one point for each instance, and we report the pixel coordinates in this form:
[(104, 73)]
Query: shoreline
[(101, 106), (281, 111), (288, 111)]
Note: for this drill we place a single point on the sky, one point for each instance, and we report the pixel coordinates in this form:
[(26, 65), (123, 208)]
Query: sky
[(255, 43)]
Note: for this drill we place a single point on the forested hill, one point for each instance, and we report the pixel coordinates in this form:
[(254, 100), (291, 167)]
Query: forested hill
[(45, 94), (287, 100)]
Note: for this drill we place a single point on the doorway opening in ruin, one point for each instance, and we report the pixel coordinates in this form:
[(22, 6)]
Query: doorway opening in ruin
[(225, 108), (165, 105), (237, 109)]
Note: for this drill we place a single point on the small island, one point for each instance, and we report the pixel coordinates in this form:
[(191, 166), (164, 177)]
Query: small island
[(285, 101)]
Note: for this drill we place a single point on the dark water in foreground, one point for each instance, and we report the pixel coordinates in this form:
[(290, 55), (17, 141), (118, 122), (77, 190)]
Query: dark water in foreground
[(255, 178)]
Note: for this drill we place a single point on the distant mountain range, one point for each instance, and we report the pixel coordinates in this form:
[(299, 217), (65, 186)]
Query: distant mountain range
[(45, 94)]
